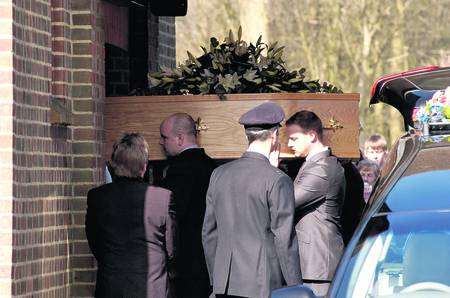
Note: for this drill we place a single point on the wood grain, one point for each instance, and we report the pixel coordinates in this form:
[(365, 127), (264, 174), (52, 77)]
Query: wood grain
[(224, 137)]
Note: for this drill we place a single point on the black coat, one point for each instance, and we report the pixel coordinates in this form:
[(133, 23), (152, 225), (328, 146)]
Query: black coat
[(354, 203), (187, 176), (130, 228)]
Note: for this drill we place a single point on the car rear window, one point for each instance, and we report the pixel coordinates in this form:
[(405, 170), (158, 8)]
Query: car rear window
[(435, 80), (421, 191)]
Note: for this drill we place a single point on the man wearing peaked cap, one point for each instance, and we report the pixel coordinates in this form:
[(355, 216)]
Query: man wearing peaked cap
[(248, 237), (264, 116)]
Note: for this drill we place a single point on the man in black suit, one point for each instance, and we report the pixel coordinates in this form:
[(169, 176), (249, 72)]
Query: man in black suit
[(319, 194), (187, 176)]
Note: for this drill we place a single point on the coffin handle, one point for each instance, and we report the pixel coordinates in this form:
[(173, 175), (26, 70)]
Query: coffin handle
[(333, 124), (200, 125)]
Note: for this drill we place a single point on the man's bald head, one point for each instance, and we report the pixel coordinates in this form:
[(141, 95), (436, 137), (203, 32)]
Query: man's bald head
[(178, 131), (183, 123)]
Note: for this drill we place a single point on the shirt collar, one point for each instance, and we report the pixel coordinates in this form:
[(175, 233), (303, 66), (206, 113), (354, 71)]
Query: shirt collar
[(313, 153), (258, 151), (189, 147)]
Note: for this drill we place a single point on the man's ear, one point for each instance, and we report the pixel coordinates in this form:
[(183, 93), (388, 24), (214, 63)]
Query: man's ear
[(143, 170), (313, 137), (275, 137), (180, 139)]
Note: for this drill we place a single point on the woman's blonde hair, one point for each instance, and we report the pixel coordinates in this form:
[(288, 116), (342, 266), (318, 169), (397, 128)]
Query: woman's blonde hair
[(130, 155)]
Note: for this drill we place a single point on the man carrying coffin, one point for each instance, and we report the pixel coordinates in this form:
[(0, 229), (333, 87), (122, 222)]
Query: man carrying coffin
[(248, 236)]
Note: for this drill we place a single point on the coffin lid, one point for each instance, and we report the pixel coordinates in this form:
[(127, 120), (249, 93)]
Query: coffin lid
[(407, 90)]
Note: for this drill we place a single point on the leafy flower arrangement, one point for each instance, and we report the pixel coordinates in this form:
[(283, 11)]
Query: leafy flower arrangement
[(234, 67), (436, 109)]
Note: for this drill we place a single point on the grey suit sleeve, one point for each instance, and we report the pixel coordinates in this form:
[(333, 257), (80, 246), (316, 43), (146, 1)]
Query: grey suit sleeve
[(209, 231), (281, 205), (310, 187)]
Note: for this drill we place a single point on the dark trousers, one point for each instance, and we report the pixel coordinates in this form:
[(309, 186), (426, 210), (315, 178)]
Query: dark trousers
[(192, 287)]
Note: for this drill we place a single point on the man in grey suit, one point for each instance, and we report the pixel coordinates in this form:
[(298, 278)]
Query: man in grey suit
[(319, 193), (248, 235)]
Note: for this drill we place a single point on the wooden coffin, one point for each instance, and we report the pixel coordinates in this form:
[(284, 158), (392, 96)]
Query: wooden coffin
[(219, 131)]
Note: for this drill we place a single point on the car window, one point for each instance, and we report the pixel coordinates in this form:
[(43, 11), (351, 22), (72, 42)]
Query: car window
[(401, 255), (422, 191)]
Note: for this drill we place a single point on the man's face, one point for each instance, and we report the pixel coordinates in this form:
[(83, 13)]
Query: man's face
[(375, 155), (168, 140), (368, 175), (298, 141)]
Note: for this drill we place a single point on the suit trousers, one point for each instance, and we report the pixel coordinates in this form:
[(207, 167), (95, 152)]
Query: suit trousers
[(192, 287), (319, 287)]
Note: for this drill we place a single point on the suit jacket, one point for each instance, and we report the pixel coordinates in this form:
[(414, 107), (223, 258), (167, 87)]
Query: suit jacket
[(319, 193), (248, 234), (187, 176), (130, 229), (354, 203)]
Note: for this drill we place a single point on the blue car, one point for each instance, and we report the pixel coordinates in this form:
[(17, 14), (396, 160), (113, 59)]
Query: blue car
[(402, 245)]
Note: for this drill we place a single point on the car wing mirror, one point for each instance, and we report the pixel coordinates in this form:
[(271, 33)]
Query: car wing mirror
[(298, 291)]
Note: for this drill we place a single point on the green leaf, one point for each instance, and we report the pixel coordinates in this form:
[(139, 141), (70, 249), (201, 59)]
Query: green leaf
[(295, 80), (231, 37), (203, 87), (274, 88), (272, 46), (168, 80), (214, 42), (153, 82), (186, 69), (204, 49), (258, 42), (177, 72), (250, 75), (229, 82), (207, 73)]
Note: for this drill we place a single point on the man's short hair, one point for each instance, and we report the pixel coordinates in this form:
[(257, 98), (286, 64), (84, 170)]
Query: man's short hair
[(376, 142), (259, 134), (308, 122), (130, 155), (183, 123)]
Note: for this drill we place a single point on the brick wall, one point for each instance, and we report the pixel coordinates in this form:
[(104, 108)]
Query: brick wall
[(41, 181), (58, 56), (117, 70), (166, 42), (52, 51), (88, 101), (161, 41), (6, 146)]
